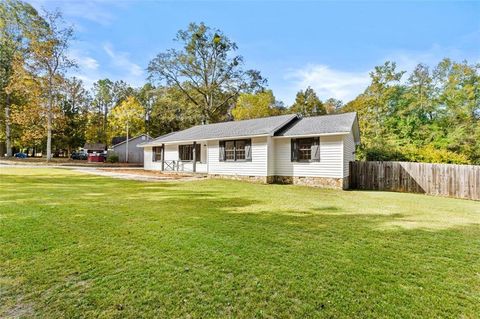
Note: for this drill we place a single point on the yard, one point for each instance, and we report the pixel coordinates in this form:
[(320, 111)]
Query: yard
[(74, 245)]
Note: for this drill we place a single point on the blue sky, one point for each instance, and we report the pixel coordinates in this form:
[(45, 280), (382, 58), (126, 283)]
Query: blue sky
[(330, 46)]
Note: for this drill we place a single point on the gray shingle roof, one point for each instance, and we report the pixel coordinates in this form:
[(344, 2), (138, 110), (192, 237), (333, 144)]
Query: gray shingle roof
[(94, 146), (255, 127), (324, 124), (147, 138), (283, 125)]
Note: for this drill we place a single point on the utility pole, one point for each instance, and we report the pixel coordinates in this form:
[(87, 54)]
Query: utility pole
[(126, 152)]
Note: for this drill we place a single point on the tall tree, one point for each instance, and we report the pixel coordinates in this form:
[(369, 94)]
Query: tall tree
[(332, 105), (206, 70), (127, 118), (74, 106), (15, 18), (50, 61), (28, 108), (255, 105), (147, 97), (307, 103), (106, 95), (172, 111)]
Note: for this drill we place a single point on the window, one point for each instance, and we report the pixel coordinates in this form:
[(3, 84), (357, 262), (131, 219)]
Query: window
[(185, 152), (157, 154), (238, 150), (230, 150), (305, 149)]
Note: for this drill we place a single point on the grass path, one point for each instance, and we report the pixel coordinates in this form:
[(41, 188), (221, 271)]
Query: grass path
[(83, 246)]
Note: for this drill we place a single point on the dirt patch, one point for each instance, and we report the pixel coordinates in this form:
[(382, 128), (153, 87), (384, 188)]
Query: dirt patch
[(19, 310), (38, 161)]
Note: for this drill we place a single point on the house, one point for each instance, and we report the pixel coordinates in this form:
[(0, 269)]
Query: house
[(96, 152), (135, 154), (284, 149), (94, 148)]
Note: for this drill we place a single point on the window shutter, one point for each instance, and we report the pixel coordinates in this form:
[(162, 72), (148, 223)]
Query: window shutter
[(316, 149), (294, 150), (248, 150), (198, 153), (221, 151), (154, 153)]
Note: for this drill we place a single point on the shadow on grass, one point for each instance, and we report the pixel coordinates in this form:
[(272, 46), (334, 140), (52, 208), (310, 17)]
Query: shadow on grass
[(214, 241), (204, 198)]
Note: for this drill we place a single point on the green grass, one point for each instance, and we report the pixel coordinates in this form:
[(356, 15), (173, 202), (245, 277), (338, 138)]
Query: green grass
[(81, 246)]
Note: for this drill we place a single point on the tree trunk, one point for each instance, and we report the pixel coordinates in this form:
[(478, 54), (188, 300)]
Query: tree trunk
[(8, 141), (105, 119), (49, 127)]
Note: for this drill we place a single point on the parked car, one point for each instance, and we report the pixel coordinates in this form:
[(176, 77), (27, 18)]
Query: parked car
[(20, 155), (79, 156)]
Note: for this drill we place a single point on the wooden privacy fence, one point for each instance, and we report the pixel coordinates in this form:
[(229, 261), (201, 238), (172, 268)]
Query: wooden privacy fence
[(461, 181)]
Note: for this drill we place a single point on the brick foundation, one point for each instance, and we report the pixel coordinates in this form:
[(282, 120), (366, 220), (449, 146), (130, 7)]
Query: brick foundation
[(254, 179), (322, 182)]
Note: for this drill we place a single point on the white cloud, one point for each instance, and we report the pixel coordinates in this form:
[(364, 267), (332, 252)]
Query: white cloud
[(133, 73), (121, 60), (327, 82), (93, 10), (83, 60), (346, 85)]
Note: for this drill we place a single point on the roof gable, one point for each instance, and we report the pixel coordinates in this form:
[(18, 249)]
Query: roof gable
[(323, 124), (145, 139)]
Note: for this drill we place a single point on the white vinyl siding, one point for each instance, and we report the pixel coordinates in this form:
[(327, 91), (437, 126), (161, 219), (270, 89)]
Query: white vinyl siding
[(171, 154), (330, 164), (148, 164), (271, 156), (256, 167), (348, 153)]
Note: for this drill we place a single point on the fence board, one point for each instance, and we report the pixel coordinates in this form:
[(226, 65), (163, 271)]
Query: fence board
[(460, 181)]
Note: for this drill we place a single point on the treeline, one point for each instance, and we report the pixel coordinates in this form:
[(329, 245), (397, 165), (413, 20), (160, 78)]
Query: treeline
[(428, 115), (425, 116)]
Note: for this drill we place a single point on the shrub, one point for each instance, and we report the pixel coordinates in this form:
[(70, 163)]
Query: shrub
[(112, 158), (411, 153)]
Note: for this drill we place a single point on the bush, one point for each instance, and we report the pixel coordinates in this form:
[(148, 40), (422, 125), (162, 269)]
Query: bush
[(411, 153), (381, 153), (112, 158)]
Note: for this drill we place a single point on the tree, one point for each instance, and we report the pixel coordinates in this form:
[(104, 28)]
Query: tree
[(172, 111), (127, 118), (458, 94), (28, 108), (433, 116), (75, 102), (50, 61), (106, 95), (147, 97), (332, 105), (307, 103), (255, 105), (15, 17), (205, 70)]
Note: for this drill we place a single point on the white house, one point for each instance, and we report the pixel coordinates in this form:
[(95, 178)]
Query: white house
[(285, 149)]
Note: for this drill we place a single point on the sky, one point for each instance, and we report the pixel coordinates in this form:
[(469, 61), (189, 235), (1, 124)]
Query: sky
[(330, 46)]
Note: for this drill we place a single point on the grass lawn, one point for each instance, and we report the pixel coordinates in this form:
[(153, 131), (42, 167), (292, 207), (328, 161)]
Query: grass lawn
[(74, 245)]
